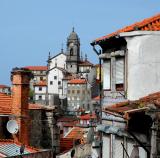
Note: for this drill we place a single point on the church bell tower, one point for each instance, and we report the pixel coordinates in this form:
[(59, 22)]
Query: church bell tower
[(73, 52)]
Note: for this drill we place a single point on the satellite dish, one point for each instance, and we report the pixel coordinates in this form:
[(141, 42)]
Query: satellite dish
[(12, 126)]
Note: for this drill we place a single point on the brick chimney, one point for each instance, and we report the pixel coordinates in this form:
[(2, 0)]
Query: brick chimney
[(20, 93)]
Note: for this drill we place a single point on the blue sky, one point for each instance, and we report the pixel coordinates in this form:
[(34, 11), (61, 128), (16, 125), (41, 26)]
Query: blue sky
[(29, 29)]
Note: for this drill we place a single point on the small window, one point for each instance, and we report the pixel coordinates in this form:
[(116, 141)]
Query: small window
[(73, 91), (71, 65), (40, 97), (41, 72), (40, 88), (55, 77), (41, 78), (68, 91), (59, 82), (51, 82), (71, 51), (78, 91), (120, 87), (68, 98)]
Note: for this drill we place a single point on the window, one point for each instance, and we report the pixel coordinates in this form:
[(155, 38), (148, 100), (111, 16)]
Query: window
[(68, 98), (71, 51), (40, 97), (78, 91), (40, 88), (68, 91), (119, 73), (41, 78), (106, 75), (59, 82), (41, 72), (55, 77), (73, 91), (51, 82)]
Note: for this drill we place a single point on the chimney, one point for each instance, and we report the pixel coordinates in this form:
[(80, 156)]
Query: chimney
[(20, 93)]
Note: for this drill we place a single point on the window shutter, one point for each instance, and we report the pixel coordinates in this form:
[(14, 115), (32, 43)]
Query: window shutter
[(119, 70), (106, 75)]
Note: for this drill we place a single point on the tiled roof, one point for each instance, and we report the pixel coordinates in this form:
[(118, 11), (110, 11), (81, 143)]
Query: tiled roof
[(3, 86), (10, 148), (66, 119), (77, 81), (85, 63), (66, 144), (76, 133), (41, 83), (97, 98), (5, 104), (6, 101), (36, 68), (87, 117), (148, 24), (142, 103)]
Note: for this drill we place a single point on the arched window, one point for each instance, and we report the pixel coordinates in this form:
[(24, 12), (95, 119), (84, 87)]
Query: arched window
[(71, 51)]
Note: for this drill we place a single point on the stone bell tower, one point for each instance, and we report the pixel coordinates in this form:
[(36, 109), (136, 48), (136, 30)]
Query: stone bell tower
[(73, 52)]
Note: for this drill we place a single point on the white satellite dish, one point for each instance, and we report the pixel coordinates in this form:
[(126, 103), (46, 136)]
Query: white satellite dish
[(12, 126)]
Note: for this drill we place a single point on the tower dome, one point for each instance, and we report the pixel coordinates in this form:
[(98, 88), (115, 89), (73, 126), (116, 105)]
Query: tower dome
[(73, 35)]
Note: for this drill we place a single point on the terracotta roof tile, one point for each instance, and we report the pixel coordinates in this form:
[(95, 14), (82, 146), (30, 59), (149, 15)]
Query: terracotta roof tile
[(121, 107), (76, 133), (97, 98), (78, 81), (85, 63), (66, 144), (41, 83), (6, 101), (87, 117), (36, 68), (148, 24), (3, 86)]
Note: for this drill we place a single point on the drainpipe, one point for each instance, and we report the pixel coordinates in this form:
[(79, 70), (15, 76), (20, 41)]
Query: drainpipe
[(100, 91)]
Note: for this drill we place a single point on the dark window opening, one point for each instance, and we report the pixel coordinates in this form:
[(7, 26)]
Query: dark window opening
[(51, 82), (120, 87), (71, 51), (59, 82), (41, 78), (40, 97), (55, 77), (40, 88)]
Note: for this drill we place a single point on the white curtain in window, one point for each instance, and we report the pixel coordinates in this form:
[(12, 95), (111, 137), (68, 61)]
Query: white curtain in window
[(119, 70)]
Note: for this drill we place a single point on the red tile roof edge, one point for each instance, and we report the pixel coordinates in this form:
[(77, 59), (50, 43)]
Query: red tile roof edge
[(36, 68), (77, 81), (141, 25), (4, 86)]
